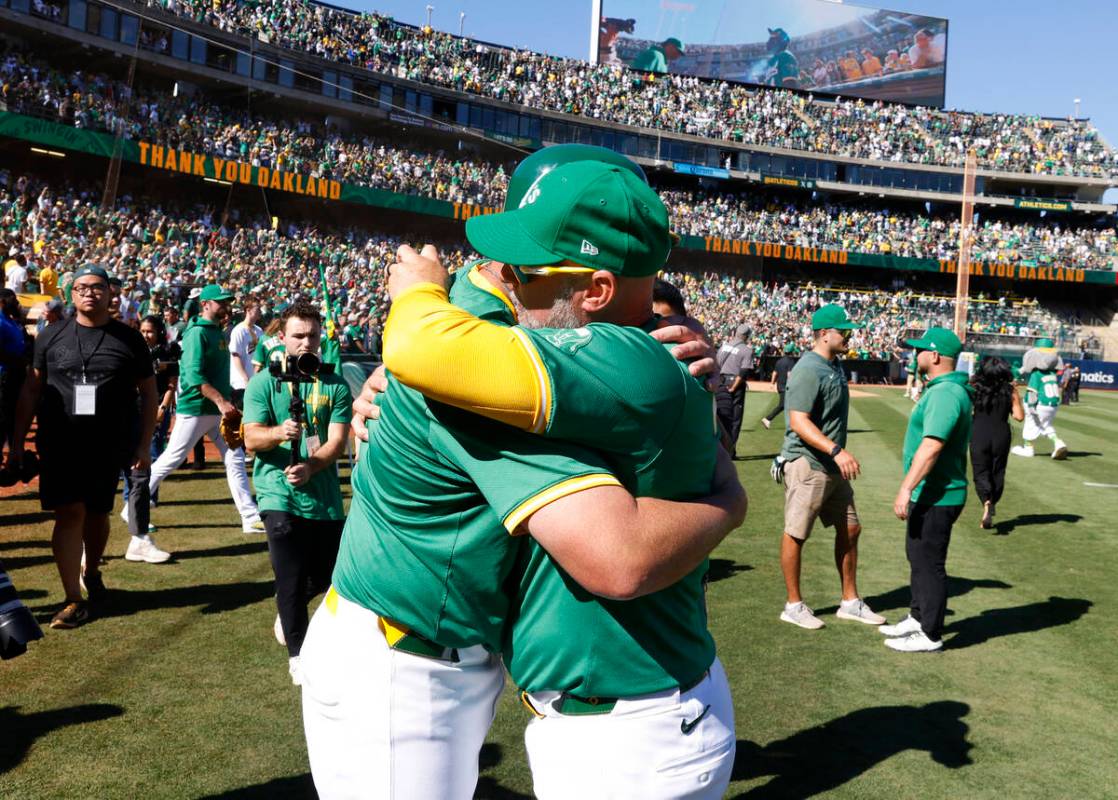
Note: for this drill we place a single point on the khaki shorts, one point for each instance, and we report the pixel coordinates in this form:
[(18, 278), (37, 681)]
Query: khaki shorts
[(810, 494)]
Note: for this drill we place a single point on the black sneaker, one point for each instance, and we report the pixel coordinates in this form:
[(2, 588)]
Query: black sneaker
[(72, 615), (94, 585)]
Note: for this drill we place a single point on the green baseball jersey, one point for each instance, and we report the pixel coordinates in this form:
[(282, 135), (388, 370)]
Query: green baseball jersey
[(1043, 388), (651, 59), (268, 402), (425, 542), (944, 413), (205, 359), (782, 66), (818, 388), (268, 348), (657, 426)]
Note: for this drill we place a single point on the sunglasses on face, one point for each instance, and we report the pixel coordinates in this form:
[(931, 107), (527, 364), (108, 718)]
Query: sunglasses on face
[(526, 274)]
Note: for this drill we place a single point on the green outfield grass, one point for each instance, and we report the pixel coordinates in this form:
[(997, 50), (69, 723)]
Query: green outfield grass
[(180, 691)]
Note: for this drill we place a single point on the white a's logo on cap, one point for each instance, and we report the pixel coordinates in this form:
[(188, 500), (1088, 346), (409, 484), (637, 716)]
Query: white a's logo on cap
[(588, 249)]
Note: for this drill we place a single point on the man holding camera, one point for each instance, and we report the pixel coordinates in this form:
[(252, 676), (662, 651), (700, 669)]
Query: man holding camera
[(204, 403), (86, 375), (296, 420)]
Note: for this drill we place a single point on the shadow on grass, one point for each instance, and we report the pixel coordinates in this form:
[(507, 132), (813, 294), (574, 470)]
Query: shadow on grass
[(214, 598), (242, 549), (21, 562), (825, 757), (722, 568), (26, 518), (21, 730), (1051, 613), (1009, 525), (1082, 454), (487, 786), (296, 786), (202, 501), (759, 457), (901, 597), (25, 543)]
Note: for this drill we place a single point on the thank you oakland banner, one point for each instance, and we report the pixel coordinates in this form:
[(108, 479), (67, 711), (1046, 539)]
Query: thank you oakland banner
[(187, 164)]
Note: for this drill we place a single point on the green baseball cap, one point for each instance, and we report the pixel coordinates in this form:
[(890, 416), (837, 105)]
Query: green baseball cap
[(1044, 342), (678, 44), (215, 293), (91, 269), (598, 215), (832, 316), (541, 162), (940, 340)]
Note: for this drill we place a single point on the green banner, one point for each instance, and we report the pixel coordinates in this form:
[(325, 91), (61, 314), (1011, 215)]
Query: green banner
[(1040, 204), (195, 165)]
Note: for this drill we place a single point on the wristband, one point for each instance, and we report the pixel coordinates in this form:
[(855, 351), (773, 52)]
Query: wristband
[(836, 450)]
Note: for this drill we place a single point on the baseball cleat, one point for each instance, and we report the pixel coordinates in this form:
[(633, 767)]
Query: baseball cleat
[(1060, 452), (1023, 450)]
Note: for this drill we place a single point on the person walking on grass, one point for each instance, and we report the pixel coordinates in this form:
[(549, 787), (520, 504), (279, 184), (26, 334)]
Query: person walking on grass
[(934, 488), (781, 369), (995, 400), (83, 386), (818, 471)]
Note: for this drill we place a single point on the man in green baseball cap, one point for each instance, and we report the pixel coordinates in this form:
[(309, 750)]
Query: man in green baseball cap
[(529, 171), (657, 57), (574, 243), (934, 488), (817, 471)]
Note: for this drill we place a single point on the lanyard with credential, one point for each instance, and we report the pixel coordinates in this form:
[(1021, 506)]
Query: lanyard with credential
[(85, 361), (85, 395)]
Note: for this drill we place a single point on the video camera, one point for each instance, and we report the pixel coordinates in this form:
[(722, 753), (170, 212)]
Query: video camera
[(620, 25), (17, 626), (303, 368)]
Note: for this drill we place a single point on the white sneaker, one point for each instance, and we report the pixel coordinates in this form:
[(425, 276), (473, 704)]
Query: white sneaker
[(142, 548), (252, 525), (903, 628), (1023, 450), (858, 611), (277, 629), (917, 642), (295, 670), (800, 614), (766, 423), (1060, 452)]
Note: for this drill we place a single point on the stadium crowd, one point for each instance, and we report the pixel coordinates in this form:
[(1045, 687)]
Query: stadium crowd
[(94, 101), (711, 109)]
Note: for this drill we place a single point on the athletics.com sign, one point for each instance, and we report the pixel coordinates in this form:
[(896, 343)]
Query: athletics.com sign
[(1096, 374)]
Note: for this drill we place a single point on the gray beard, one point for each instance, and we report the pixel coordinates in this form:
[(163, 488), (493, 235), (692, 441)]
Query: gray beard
[(561, 314)]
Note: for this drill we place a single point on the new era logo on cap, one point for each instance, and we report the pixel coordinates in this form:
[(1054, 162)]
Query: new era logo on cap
[(588, 249)]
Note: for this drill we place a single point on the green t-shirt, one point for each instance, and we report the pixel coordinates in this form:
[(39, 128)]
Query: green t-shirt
[(656, 425), (267, 402), (205, 359), (267, 348), (651, 59), (818, 388), (424, 543), (1043, 388), (944, 413)]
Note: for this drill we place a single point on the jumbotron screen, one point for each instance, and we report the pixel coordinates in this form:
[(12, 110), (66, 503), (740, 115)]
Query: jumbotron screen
[(814, 45)]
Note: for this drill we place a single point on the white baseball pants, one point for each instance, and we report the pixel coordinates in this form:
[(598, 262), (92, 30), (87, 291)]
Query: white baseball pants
[(1038, 422), (663, 746), (381, 723), (186, 433)]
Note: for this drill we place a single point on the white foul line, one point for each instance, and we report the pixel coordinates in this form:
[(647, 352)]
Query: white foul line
[(1101, 485)]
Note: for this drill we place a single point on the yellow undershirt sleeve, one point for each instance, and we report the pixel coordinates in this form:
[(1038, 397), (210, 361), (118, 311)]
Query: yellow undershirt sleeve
[(452, 356)]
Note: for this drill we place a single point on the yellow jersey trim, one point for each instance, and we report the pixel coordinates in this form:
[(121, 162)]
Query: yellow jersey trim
[(541, 417), (549, 495)]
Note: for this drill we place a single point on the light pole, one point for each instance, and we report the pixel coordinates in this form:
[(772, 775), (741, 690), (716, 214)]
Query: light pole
[(430, 8), (1077, 101), (461, 23)]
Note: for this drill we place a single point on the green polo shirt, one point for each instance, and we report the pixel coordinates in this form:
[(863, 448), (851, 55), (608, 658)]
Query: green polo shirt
[(205, 359), (944, 413), (1043, 388), (268, 402), (424, 542), (818, 388)]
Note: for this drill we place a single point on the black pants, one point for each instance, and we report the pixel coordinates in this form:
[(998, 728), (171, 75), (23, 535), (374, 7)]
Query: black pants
[(989, 454), (731, 408), (139, 500), (303, 552), (779, 407), (927, 536), (200, 453)]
